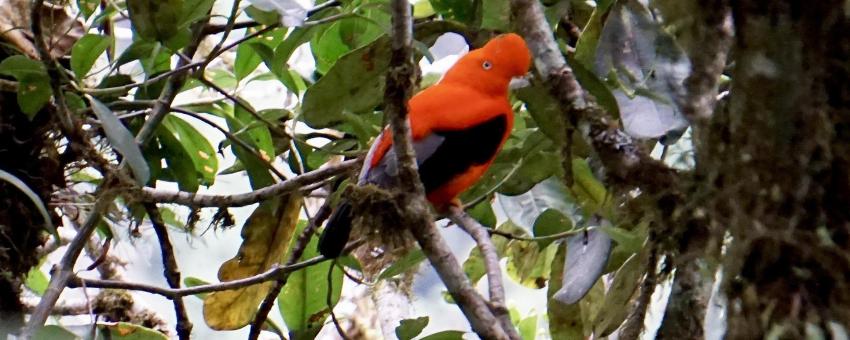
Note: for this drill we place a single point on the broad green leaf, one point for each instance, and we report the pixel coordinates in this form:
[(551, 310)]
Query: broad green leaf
[(247, 58), (616, 303), (33, 83), (194, 10), (529, 263), (261, 16), (198, 148), (564, 320), (483, 213), (587, 42), (496, 15), (410, 328), (191, 281), (528, 328), (545, 110), (257, 171), (39, 204), (460, 10), (156, 20), (36, 281), (354, 85), (411, 260), (303, 301), (85, 53), (590, 82), (108, 82), (550, 222), (591, 306), (139, 49), (180, 166), (590, 193), (129, 331), (346, 35), (87, 7), (423, 9), (445, 335), (630, 240), (266, 239), (54, 332)]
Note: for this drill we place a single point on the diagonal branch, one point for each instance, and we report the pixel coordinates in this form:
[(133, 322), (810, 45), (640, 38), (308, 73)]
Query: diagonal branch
[(170, 270), (624, 161), (411, 194), (491, 263)]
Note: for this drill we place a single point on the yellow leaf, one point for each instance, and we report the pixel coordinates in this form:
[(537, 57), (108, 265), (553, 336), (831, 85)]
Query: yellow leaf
[(266, 235)]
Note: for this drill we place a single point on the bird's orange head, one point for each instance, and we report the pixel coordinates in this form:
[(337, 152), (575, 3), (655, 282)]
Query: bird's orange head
[(491, 68)]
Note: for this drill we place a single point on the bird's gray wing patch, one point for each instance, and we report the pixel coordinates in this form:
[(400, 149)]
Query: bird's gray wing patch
[(385, 172)]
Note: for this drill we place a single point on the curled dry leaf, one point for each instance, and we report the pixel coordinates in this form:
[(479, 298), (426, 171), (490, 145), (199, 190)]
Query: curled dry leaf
[(62, 28), (266, 235)]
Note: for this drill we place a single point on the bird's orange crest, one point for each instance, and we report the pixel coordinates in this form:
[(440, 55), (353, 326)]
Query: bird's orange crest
[(491, 67)]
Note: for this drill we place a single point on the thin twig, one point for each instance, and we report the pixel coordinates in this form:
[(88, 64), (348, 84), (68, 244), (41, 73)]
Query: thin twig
[(491, 264), (269, 275), (411, 193), (124, 88), (238, 200), (329, 301), (170, 270), (294, 254)]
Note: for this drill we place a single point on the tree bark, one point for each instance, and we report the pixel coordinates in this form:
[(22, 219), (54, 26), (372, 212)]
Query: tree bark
[(777, 169)]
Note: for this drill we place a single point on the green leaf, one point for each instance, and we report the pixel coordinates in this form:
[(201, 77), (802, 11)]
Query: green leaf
[(410, 328), (551, 222), (587, 42), (263, 17), (190, 281), (411, 260), (343, 36), (483, 213), (34, 85), (155, 19), (139, 49), (460, 10), (122, 141), (85, 53), (564, 320), (129, 331), (39, 204), (247, 58), (590, 82), (630, 240), (303, 301), (194, 10), (445, 335), (87, 7), (496, 15), (528, 328), (54, 332), (354, 85), (36, 281), (529, 263), (616, 302), (197, 147), (179, 161), (590, 193)]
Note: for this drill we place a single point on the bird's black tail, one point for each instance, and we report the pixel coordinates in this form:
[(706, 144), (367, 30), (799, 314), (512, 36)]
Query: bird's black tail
[(337, 231)]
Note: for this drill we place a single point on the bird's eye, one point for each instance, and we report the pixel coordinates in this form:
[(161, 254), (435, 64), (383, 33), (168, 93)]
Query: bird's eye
[(487, 65)]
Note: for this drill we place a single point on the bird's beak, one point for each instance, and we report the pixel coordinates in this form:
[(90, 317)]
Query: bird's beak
[(520, 82)]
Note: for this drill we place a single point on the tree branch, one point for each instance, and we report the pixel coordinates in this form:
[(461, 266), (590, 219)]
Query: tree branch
[(411, 194), (170, 270), (491, 263), (172, 293), (624, 161), (238, 200)]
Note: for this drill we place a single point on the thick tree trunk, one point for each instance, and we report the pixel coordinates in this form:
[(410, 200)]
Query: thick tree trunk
[(777, 168)]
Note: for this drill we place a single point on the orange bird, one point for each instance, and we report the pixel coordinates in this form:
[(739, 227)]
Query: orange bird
[(458, 127)]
